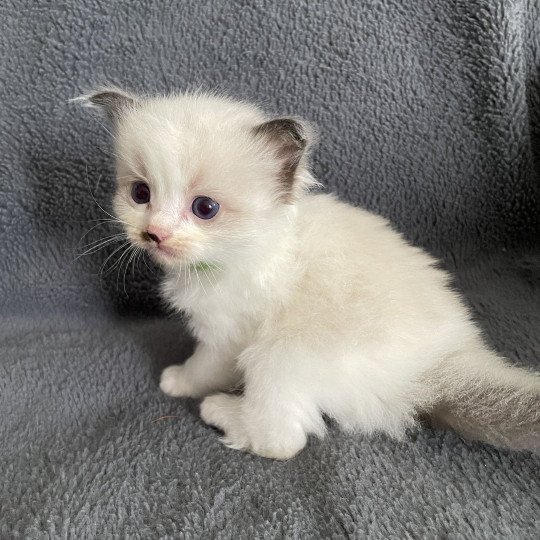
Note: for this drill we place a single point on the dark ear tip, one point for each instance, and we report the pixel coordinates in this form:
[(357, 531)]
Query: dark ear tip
[(111, 100), (292, 129), (103, 98), (288, 125)]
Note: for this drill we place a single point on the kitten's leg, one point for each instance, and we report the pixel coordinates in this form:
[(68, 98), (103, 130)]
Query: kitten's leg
[(276, 412), (203, 372)]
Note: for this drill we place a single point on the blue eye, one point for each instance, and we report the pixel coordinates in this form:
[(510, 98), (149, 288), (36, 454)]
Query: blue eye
[(140, 192), (205, 207)]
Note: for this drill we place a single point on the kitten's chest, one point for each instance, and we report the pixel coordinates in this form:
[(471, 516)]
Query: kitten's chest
[(218, 311)]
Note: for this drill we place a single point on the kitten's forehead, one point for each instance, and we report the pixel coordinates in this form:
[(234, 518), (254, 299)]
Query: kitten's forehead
[(176, 136), (176, 118)]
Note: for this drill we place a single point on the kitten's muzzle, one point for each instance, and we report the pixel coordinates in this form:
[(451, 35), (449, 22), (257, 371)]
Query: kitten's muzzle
[(156, 240), (155, 234)]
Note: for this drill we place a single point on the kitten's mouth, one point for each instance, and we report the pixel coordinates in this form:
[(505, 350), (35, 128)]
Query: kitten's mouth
[(165, 250), (163, 253)]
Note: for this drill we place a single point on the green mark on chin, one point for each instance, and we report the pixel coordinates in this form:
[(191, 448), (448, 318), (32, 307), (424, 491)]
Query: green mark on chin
[(205, 266)]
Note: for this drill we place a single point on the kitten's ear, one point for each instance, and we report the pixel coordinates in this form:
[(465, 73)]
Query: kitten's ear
[(112, 101), (289, 139)]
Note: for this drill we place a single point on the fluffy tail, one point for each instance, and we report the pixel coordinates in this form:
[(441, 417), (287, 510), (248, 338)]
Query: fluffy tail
[(482, 397)]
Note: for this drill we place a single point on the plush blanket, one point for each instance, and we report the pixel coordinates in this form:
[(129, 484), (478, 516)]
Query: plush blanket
[(429, 113)]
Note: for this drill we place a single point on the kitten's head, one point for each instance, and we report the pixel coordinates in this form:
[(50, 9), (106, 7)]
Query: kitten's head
[(202, 178)]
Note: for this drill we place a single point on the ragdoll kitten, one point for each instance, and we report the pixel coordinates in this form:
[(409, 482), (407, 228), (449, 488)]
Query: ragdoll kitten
[(312, 305)]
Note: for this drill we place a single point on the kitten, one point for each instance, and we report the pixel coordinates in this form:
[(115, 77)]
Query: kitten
[(312, 305)]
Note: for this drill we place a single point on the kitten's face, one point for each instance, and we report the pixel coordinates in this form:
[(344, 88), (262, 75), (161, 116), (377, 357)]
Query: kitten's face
[(196, 181)]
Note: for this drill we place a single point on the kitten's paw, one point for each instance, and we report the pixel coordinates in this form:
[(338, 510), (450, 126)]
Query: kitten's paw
[(225, 412), (286, 445), (175, 383)]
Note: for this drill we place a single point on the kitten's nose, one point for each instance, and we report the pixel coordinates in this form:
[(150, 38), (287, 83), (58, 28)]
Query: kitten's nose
[(157, 235)]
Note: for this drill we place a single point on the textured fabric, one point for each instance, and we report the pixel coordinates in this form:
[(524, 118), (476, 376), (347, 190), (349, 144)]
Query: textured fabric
[(429, 113)]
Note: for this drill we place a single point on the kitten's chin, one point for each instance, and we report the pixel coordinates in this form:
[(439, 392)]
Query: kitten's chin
[(166, 256)]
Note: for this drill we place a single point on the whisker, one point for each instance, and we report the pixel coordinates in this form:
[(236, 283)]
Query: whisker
[(95, 200), (140, 257), (98, 240), (179, 272), (199, 280), (88, 220), (101, 222), (129, 259), (102, 267), (121, 260), (145, 263), (211, 270), (213, 284), (189, 271), (99, 244), (184, 272)]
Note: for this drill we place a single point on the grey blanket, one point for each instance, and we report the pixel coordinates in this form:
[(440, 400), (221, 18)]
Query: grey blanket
[(429, 113)]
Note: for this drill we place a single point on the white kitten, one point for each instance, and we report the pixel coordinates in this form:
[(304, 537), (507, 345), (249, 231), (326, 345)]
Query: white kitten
[(313, 305)]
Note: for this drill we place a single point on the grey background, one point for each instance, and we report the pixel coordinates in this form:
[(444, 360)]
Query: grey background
[(429, 114)]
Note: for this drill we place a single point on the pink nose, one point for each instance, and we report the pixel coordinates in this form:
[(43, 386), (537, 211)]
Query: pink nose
[(157, 234)]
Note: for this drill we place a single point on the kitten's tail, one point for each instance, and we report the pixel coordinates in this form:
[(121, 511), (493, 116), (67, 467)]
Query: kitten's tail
[(482, 397)]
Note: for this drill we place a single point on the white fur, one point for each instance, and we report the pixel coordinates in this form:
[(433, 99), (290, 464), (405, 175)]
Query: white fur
[(315, 306)]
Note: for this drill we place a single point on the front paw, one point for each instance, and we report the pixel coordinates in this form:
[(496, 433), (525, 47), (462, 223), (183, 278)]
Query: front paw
[(174, 382), (246, 432), (223, 412)]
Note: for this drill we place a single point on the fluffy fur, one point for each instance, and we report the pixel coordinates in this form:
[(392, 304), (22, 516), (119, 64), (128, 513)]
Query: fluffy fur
[(308, 304)]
